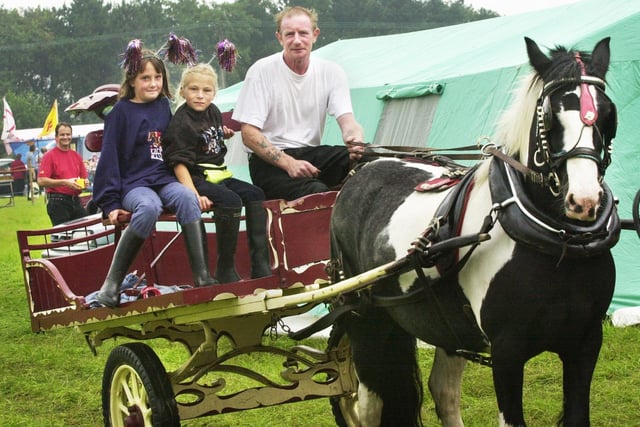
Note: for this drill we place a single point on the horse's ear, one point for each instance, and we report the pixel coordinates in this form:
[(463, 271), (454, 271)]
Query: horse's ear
[(539, 61), (600, 57)]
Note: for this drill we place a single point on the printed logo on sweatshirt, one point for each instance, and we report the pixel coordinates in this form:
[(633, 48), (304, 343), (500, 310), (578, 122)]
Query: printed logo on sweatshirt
[(155, 144), (212, 139)]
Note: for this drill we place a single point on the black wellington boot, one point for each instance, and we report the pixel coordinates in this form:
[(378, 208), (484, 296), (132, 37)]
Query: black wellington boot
[(227, 226), (195, 238), (128, 247), (257, 237)]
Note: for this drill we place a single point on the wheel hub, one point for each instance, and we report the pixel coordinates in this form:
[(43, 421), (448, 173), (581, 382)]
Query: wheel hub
[(135, 418)]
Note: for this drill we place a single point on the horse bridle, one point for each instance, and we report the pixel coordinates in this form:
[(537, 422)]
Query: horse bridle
[(543, 154)]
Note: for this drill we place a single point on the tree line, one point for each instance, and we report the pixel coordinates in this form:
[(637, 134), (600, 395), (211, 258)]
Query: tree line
[(65, 53)]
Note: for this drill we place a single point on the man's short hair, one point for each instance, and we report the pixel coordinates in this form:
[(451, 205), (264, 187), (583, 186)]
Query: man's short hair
[(297, 10)]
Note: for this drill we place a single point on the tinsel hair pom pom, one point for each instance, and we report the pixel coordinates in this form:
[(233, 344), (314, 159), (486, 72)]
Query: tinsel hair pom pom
[(227, 55), (179, 51), (132, 57)]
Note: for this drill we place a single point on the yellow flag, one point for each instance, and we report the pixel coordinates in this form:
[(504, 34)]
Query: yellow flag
[(51, 122)]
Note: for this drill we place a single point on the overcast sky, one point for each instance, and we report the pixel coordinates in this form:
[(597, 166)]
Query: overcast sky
[(503, 7)]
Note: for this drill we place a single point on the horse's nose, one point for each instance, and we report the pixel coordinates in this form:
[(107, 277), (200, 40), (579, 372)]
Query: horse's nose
[(582, 208)]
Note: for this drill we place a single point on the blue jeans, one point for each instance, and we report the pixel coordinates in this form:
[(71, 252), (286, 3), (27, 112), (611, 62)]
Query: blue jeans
[(146, 205)]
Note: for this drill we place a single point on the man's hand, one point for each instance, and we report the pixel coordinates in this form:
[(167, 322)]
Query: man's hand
[(355, 148), (301, 168), (74, 184)]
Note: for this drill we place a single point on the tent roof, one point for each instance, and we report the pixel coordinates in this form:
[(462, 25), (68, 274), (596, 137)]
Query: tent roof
[(484, 45)]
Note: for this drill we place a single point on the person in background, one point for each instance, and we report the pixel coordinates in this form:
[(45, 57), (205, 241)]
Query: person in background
[(43, 151), (283, 105), (194, 147), (18, 172), (32, 168), (63, 174), (132, 182)]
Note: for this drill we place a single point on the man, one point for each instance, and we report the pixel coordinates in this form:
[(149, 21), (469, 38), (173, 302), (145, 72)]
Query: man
[(63, 174), (283, 106), (31, 167)]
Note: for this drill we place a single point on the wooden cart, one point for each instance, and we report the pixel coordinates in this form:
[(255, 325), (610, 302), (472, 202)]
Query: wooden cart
[(64, 264)]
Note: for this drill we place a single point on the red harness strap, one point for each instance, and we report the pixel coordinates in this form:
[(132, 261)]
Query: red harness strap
[(436, 184), (588, 112)]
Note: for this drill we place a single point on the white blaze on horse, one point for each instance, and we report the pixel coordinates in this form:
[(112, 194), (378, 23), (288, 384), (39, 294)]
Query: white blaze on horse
[(542, 281)]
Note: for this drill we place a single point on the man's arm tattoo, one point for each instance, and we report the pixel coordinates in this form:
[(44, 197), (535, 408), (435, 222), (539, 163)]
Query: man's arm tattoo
[(272, 153)]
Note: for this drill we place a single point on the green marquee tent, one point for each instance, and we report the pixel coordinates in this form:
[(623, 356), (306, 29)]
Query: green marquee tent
[(446, 87)]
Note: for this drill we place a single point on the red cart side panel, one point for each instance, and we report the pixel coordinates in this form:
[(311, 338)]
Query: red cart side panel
[(298, 233)]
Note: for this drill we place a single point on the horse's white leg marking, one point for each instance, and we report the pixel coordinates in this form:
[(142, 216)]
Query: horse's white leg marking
[(370, 407), (445, 384), (501, 422)]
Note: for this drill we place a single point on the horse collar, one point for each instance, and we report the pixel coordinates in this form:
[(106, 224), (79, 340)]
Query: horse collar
[(527, 224)]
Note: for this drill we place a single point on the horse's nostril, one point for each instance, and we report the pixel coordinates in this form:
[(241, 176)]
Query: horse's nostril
[(572, 205)]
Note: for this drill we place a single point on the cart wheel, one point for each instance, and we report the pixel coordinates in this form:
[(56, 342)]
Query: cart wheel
[(136, 391), (344, 408), (636, 212)]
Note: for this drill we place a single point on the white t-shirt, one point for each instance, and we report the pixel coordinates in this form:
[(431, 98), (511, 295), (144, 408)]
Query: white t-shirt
[(289, 108)]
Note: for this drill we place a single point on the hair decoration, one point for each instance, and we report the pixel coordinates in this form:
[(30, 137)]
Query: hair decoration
[(227, 55), (132, 57), (178, 50)]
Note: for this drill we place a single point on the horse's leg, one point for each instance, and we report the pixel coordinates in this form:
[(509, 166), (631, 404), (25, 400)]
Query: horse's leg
[(578, 365), (369, 406), (508, 374), (445, 384), (385, 359)]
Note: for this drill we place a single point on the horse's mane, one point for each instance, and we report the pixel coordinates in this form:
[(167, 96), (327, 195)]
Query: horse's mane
[(514, 125)]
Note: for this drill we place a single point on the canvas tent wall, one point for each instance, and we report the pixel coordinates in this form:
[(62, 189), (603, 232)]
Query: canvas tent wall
[(446, 87)]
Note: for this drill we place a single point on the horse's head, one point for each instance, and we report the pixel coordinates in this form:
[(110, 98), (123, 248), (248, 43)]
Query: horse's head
[(574, 125)]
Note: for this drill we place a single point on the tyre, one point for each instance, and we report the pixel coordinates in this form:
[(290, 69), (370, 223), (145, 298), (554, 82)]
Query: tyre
[(345, 407), (136, 391), (636, 212)]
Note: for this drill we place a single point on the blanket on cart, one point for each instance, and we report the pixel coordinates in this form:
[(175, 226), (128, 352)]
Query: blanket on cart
[(134, 288)]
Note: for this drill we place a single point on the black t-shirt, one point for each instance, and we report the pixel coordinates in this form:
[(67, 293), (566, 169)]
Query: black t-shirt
[(194, 137)]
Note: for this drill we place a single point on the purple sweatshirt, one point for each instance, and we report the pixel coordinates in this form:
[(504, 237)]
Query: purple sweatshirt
[(131, 154)]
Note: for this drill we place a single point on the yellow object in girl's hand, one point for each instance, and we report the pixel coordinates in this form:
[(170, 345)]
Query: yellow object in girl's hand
[(81, 182)]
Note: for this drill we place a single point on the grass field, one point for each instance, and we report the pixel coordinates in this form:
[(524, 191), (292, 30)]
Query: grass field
[(52, 379)]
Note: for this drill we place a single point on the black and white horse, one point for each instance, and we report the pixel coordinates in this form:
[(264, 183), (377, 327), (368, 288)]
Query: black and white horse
[(542, 281)]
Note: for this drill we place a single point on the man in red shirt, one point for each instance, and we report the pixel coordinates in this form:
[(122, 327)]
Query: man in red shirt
[(63, 174)]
